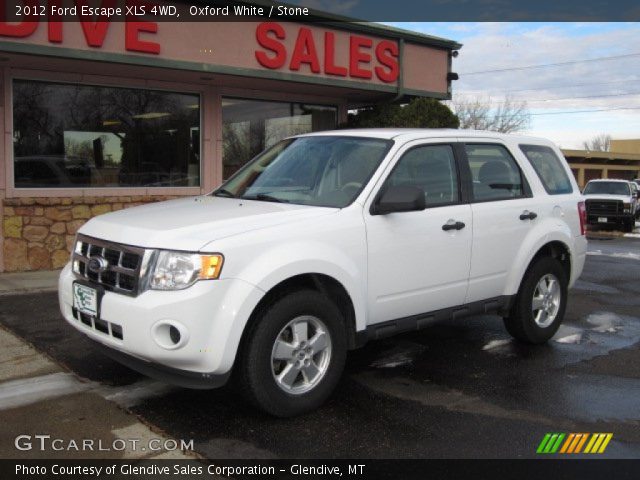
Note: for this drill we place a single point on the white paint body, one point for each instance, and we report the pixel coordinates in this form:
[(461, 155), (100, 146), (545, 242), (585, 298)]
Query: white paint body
[(391, 266)]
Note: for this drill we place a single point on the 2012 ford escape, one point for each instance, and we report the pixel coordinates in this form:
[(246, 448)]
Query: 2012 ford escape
[(321, 243)]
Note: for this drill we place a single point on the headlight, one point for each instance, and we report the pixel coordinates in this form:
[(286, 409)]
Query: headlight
[(179, 270), (627, 207)]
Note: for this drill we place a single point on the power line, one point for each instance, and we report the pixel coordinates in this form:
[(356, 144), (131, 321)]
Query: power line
[(587, 111), (558, 64), (556, 87), (558, 99), (568, 112)]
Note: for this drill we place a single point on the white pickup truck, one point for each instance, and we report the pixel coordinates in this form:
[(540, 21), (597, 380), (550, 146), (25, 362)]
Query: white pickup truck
[(324, 242), (612, 202)]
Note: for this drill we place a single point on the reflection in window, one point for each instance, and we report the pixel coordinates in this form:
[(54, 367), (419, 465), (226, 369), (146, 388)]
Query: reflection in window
[(494, 172), (251, 126), (549, 168), (90, 136), (431, 168)]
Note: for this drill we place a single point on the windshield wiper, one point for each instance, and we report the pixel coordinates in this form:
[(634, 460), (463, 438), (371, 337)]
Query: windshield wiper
[(221, 192), (266, 197)]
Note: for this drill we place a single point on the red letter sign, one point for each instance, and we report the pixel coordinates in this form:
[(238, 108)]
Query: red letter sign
[(330, 67), (95, 32), (265, 41), (387, 55), (132, 40), (357, 56), (305, 52), (19, 29)]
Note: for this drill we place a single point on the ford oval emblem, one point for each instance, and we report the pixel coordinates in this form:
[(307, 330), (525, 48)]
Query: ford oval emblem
[(97, 264)]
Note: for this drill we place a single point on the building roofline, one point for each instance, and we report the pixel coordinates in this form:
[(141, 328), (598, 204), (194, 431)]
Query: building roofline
[(603, 155)]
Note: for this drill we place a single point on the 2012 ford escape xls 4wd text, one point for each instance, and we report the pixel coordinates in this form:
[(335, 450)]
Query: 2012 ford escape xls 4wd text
[(321, 243)]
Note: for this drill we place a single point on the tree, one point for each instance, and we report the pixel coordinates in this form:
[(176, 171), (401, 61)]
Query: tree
[(509, 116), (418, 113), (599, 143)]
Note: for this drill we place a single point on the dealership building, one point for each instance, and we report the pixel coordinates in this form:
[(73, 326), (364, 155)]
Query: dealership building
[(620, 161), (99, 116)]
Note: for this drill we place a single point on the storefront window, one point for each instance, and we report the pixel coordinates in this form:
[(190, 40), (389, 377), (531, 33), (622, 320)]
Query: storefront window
[(82, 136), (250, 126)]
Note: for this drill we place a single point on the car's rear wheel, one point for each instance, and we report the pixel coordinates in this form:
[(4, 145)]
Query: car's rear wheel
[(539, 307), (293, 355)]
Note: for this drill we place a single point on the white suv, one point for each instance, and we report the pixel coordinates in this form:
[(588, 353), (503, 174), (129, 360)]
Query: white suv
[(323, 242)]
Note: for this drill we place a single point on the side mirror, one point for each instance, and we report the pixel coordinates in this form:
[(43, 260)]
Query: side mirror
[(399, 198)]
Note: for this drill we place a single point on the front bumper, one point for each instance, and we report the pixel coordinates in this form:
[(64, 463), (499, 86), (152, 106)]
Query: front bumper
[(174, 376), (211, 316)]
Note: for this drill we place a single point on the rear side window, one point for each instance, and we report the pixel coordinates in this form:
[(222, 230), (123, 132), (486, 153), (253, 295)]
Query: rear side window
[(549, 168), (494, 173)]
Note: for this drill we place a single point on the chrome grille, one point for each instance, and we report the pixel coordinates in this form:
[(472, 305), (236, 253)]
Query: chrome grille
[(124, 264), (603, 207)]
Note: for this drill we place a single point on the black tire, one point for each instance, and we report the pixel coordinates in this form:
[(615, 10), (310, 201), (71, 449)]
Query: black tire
[(255, 376), (521, 323), (629, 225)]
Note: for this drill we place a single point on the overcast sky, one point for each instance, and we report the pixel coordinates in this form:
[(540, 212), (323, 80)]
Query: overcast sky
[(608, 84)]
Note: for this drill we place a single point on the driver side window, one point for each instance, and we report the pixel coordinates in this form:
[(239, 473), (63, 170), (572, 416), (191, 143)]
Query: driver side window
[(432, 168)]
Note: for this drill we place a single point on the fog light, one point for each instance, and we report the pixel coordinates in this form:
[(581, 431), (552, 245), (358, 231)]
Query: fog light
[(170, 334), (174, 335)]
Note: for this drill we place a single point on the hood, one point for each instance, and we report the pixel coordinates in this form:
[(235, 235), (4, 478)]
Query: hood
[(606, 196), (190, 223)]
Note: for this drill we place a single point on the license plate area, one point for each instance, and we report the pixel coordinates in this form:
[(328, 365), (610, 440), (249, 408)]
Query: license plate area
[(602, 219), (87, 298)]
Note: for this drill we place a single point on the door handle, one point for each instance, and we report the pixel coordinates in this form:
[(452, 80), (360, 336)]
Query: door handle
[(453, 225), (527, 215)]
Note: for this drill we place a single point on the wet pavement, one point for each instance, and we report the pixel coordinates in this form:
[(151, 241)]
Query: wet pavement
[(457, 389)]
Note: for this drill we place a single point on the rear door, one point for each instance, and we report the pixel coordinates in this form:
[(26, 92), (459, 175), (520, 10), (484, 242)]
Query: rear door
[(414, 265), (504, 212)]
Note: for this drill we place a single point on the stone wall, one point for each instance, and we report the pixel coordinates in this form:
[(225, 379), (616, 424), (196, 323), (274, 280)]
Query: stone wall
[(39, 232)]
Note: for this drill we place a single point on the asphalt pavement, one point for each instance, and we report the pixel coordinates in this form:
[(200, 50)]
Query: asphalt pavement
[(455, 390)]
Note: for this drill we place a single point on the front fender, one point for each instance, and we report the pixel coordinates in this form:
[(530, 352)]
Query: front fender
[(282, 262)]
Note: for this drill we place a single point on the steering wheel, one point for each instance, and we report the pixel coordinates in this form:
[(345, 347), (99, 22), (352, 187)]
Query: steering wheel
[(349, 185), (284, 181)]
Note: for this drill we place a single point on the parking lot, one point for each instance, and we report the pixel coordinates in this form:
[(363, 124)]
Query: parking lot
[(461, 389)]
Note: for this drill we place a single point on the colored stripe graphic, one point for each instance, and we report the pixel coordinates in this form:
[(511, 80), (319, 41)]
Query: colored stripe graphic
[(555, 447), (598, 442), (543, 443), (572, 443), (581, 443), (567, 442), (550, 443)]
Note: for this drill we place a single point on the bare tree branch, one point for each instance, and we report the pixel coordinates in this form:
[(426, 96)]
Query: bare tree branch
[(599, 143), (510, 115)]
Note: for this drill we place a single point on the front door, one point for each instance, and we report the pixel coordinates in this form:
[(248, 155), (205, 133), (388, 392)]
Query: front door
[(414, 264)]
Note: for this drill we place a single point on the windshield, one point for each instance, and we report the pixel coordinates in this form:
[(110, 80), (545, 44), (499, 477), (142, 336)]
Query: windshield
[(607, 188), (327, 171)]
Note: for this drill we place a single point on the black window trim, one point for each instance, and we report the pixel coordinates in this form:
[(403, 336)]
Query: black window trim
[(97, 190), (462, 193), (526, 188), (531, 145)]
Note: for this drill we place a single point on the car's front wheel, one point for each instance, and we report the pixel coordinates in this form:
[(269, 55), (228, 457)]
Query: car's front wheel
[(629, 224), (539, 307), (293, 355)]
